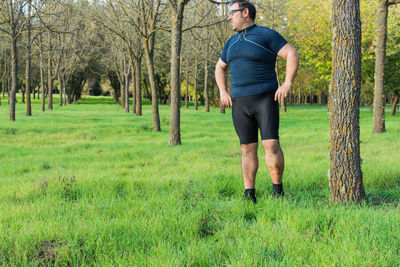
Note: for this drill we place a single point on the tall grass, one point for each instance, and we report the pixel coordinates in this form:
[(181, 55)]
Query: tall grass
[(88, 184)]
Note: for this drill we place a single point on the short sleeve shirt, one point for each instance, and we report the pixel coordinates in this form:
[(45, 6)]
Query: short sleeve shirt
[(251, 56)]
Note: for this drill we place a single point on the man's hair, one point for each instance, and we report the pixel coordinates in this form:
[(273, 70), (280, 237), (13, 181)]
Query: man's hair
[(246, 4)]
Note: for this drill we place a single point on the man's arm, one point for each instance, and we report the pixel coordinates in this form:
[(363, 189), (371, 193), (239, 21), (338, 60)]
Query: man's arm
[(220, 78), (291, 56)]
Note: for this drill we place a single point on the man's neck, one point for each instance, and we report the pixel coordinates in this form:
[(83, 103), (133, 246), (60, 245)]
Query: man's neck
[(247, 25)]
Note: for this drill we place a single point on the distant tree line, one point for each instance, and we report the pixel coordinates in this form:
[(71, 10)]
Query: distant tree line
[(165, 51)]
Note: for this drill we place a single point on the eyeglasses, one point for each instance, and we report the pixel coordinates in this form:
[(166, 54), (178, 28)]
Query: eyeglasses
[(235, 10)]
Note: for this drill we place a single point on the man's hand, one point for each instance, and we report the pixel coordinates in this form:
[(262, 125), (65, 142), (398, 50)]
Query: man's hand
[(283, 92), (226, 99)]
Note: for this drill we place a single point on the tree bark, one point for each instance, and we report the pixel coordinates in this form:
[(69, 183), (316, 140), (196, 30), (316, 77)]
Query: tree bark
[(149, 31), (187, 91), (395, 102), (42, 75), (196, 63), (346, 183), (126, 84), (122, 88), (138, 73), (133, 66), (149, 51), (50, 73), (28, 67), (60, 82), (176, 41), (207, 100), (380, 51), (14, 73)]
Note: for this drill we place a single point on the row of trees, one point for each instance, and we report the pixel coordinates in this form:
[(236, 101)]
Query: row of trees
[(47, 38), (137, 46), (159, 45)]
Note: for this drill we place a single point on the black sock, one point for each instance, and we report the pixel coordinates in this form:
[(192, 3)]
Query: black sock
[(277, 190), (250, 194)]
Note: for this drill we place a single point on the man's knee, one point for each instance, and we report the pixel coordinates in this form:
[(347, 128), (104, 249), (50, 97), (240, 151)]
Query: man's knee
[(249, 149), (272, 147)]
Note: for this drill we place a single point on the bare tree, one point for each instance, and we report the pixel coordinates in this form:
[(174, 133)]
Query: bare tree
[(28, 62), (12, 15), (380, 51)]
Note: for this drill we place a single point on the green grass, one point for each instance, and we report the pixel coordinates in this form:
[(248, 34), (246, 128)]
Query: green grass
[(89, 184)]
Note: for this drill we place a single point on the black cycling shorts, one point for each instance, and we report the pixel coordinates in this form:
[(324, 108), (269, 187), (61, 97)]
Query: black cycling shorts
[(250, 113)]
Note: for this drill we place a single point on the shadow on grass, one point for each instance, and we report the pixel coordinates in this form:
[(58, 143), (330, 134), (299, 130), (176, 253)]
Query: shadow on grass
[(382, 198)]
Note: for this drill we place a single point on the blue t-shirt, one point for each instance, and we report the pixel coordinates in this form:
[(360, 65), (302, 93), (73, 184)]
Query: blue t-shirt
[(251, 56)]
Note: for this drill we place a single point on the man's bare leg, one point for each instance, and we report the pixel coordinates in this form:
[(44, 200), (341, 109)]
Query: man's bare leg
[(249, 164), (249, 169), (275, 162)]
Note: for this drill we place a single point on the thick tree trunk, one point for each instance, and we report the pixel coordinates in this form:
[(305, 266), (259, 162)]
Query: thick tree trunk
[(395, 102), (196, 63), (346, 183), (176, 41), (380, 51)]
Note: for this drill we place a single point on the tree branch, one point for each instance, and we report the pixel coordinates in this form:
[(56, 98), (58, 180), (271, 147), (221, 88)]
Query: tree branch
[(393, 2)]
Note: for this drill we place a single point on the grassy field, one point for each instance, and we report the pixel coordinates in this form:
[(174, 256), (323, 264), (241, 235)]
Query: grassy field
[(89, 184)]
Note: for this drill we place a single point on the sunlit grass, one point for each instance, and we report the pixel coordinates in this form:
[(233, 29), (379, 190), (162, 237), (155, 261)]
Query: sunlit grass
[(88, 184)]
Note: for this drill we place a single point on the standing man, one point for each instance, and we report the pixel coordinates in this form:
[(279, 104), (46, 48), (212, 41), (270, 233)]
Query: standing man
[(251, 56)]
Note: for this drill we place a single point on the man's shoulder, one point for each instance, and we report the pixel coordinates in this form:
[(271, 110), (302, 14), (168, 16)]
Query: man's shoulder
[(233, 38), (264, 30)]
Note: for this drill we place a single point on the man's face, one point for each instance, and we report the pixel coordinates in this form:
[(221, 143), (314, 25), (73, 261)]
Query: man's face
[(236, 18)]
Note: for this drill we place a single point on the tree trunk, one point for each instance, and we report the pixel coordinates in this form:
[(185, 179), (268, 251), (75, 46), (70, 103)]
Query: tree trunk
[(138, 73), (346, 183), (176, 41), (133, 66), (50, 74), (126, 91), (42, 75), (283, 105), (187, 91), (207, 100), (122, 88), (196, 62), (395, 102), (380, 51), (323, 98), (14, 77), (64, 89), (60, 89), (28, 69), (149, 51)]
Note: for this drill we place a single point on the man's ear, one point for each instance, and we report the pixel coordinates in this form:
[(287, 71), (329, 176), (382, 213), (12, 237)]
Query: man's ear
[(246, 12)]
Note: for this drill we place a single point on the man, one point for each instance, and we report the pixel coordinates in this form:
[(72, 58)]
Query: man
[(251, 57)]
